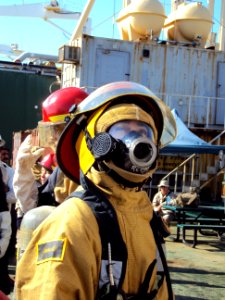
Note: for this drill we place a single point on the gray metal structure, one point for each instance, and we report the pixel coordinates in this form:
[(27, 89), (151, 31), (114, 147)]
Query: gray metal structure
[(187, 78)]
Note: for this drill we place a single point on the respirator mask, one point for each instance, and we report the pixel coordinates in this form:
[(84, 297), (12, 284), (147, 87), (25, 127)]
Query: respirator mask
[(128, 144)]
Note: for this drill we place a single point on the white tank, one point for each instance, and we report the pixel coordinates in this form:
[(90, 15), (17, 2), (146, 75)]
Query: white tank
[(190, 22), (141, 18)]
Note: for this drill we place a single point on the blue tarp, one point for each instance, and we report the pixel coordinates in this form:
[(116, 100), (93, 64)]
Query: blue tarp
[(187, 142)]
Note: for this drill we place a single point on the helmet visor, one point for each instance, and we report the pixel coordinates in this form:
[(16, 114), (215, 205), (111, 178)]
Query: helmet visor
[(121, 129), (49, 133)]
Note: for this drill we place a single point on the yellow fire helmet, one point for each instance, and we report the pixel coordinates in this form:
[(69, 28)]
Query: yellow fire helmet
[(107, 105)]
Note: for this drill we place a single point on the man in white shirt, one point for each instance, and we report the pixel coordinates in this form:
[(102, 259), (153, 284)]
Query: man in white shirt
[(164, 197)]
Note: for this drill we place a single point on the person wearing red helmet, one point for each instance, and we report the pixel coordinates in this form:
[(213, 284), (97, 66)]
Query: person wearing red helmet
[(38, 195), (29, 192), (47, 164)]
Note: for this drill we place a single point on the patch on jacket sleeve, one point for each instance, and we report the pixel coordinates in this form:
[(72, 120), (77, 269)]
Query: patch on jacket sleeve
[(52, 250)]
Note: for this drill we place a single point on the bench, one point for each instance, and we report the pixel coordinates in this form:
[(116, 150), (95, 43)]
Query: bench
[(201, 220), (219, 228)]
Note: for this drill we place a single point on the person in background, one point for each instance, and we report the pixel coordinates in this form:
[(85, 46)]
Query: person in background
[(47, 164), (30, 193), (5, 234), (27, 179), (164, 197), (8, 175), (5, 155), (103, 243), (29, 190)]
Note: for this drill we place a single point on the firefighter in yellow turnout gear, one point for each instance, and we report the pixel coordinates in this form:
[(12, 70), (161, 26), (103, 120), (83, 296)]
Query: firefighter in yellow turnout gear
[(102, 242)]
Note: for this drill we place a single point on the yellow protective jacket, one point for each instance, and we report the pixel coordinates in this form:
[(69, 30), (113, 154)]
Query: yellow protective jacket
[(63, 259)]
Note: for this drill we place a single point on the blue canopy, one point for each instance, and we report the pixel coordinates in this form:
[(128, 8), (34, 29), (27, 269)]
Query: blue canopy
[(187, 142)]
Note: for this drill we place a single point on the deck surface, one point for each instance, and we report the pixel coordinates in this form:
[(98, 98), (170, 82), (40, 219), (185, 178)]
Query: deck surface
[(197, 273)]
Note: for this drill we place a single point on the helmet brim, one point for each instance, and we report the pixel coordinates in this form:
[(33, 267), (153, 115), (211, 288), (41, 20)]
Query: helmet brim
[(67, 158)]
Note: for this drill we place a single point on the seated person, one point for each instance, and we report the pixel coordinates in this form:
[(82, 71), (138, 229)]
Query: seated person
[(164, 197)]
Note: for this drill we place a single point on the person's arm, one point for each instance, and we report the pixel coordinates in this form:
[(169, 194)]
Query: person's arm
[(172, 199), (156, 203), (6, 231), (24, 184)]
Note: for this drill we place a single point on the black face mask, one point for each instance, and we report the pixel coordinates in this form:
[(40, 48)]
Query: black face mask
[(134, 153)]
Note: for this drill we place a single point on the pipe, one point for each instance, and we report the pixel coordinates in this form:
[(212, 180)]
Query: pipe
[(211, 7), (83, 18), (25, 55), (222, 23)]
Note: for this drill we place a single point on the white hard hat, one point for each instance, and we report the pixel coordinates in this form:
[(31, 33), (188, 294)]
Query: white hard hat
[(163, 183)]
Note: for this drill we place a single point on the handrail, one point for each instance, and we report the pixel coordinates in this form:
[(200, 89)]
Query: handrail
[(188, 159), (210, 179), (191, 100), (217, 137), (180, 165)]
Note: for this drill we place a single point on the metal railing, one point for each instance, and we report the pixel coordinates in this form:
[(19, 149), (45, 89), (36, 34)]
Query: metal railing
[(195, 111), (208, 112), (193, 159)]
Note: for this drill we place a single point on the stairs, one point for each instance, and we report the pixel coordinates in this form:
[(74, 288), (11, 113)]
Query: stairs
[(204, 171)]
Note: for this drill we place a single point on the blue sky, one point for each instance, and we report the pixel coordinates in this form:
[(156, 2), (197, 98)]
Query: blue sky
[(37, 35)]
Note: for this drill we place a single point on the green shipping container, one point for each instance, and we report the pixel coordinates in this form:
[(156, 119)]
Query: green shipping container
[(20, 102)]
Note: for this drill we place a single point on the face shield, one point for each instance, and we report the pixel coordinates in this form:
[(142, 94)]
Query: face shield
[(49, 133), (137, 149)]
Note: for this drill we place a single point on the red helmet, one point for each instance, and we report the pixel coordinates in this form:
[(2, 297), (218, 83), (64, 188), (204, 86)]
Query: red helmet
[(55, 109), (48, 162)]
